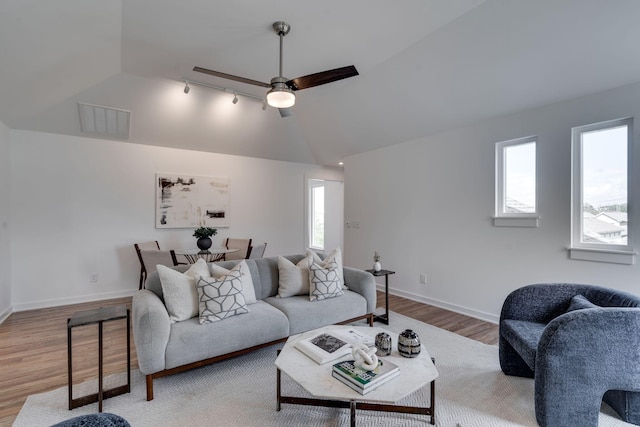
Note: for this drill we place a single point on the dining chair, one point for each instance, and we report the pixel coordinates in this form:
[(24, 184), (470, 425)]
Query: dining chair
[(146, 246), (242, 245), (257, 251), (150, 259)]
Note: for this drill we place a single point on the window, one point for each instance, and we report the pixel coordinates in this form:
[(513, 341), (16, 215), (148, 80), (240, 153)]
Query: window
[(317, 215), (516, 202), (600, 192)]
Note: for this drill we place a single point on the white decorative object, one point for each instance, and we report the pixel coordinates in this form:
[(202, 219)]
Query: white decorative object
[(364, 357), (376, 263), (185, 201)]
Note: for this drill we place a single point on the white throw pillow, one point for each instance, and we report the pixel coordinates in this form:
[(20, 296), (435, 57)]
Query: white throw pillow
[(324, 282), (294, 278), (247, 282), (336, 255), (220, 298), (179, 289)]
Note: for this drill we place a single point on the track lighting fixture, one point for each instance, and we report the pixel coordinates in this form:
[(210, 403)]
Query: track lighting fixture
[(236, 94)]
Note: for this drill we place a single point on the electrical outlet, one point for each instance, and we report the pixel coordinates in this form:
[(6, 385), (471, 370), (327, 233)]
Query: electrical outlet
[(93, 277), (423, 278)]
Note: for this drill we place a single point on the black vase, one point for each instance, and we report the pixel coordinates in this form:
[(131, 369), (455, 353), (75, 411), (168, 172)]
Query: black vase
[(204, 243), (408, 344)]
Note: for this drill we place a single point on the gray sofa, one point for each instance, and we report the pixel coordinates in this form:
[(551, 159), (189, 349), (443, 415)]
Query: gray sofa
[(164, 348), (581, 343)]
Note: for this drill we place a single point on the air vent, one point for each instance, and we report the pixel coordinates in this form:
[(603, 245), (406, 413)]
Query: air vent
[(104, 121)]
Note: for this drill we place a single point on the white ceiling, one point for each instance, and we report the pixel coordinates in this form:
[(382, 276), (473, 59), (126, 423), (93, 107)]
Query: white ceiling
[(425, 66)]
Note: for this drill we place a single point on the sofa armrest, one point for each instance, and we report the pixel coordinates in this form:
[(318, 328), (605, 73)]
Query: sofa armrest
[(541, 302), (151, 327), (361, 282)]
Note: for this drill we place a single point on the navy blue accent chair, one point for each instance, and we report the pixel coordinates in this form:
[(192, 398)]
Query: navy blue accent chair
[(581, 344)]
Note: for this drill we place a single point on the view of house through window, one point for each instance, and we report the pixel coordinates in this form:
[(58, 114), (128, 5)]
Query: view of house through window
[(601, 187), (516, 177), (520, 178)]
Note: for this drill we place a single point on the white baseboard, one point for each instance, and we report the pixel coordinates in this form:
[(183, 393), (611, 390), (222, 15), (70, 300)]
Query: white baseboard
[(5, 314), (487, 317), (72, 300)]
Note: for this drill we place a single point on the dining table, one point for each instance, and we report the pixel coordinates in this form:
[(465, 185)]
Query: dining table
[(210, 255)]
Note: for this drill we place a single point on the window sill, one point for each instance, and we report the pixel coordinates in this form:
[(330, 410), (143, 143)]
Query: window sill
[(602, 255), (512, 221)]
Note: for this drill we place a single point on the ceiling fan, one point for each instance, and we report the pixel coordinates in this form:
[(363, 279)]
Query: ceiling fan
[(281, 93)]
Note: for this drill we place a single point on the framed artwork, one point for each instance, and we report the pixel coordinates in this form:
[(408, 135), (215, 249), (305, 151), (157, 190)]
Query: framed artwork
[(186, 201)]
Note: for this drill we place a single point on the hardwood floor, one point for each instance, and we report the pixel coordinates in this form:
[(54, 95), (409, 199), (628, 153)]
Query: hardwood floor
[(33, 346)]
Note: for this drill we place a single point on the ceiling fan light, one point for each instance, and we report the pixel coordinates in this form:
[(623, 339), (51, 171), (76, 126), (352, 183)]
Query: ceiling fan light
[(281, 98)]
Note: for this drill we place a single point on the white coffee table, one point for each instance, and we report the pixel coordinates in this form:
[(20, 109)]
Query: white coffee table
[(415, 373)]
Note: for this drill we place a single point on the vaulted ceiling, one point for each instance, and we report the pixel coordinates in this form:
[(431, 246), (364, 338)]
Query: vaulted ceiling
[(425, 66)]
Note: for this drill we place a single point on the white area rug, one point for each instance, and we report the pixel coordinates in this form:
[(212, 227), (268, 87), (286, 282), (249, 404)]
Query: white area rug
[(471, 391)]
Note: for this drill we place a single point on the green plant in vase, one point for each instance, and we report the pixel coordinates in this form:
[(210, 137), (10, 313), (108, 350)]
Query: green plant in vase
[(203, 234)]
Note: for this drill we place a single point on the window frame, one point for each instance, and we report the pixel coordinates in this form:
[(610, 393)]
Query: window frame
[(313, 184), (612, 253), (511, 219)]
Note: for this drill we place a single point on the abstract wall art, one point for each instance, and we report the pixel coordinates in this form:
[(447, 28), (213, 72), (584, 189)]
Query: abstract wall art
[(186, 201)]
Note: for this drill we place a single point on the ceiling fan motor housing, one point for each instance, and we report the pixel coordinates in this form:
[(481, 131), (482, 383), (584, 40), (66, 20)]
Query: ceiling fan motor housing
[(280, 95)]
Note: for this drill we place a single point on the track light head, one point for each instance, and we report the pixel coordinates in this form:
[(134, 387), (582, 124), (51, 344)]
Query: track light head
[(186, 87), (264, 104), (235, 98)]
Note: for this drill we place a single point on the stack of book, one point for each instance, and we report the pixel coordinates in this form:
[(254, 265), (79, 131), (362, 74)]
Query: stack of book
[(364, 381)]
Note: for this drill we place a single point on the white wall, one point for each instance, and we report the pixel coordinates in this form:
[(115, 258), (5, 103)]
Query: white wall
[(5, 229), (426, 207), (78, 205)]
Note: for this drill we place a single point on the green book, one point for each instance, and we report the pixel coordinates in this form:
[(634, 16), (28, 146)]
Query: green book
[(363, 378)]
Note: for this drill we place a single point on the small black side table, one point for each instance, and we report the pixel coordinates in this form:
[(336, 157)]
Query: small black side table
[(90, 317), (384, 318)]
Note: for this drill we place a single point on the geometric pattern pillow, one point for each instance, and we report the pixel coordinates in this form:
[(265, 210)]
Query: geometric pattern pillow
[(334, 255), (220, 298), (247, 282), (324, 281)]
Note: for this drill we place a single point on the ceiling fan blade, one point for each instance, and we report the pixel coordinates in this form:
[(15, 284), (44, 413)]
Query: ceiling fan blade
[(231, 77), (285, 112), (322, 78)]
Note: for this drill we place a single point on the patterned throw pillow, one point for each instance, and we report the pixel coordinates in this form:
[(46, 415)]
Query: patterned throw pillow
[(324, 282), (220, 298), (247, 282), (334, 255)]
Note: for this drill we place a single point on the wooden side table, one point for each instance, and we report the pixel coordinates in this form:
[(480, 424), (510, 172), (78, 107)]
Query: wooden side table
[(384, 318), (90, 317)]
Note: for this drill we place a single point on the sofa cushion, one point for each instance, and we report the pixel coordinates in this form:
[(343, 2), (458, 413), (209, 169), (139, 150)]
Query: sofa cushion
[(523, 337), (293, 278), (305, 315), (248, 291), (221, 298), (580, 302), (324, 282), (180, 295), (192, 342)]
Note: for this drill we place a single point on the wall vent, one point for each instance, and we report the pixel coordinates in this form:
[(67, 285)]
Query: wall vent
[(104, 121)]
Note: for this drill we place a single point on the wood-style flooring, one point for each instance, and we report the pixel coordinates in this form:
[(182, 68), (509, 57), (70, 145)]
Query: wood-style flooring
[(33, 346)]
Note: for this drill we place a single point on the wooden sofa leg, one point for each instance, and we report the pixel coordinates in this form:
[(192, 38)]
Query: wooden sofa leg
[(149, 387)]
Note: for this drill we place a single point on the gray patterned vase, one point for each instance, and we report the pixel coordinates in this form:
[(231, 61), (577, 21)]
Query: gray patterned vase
[(383, 344), (408, 344)]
